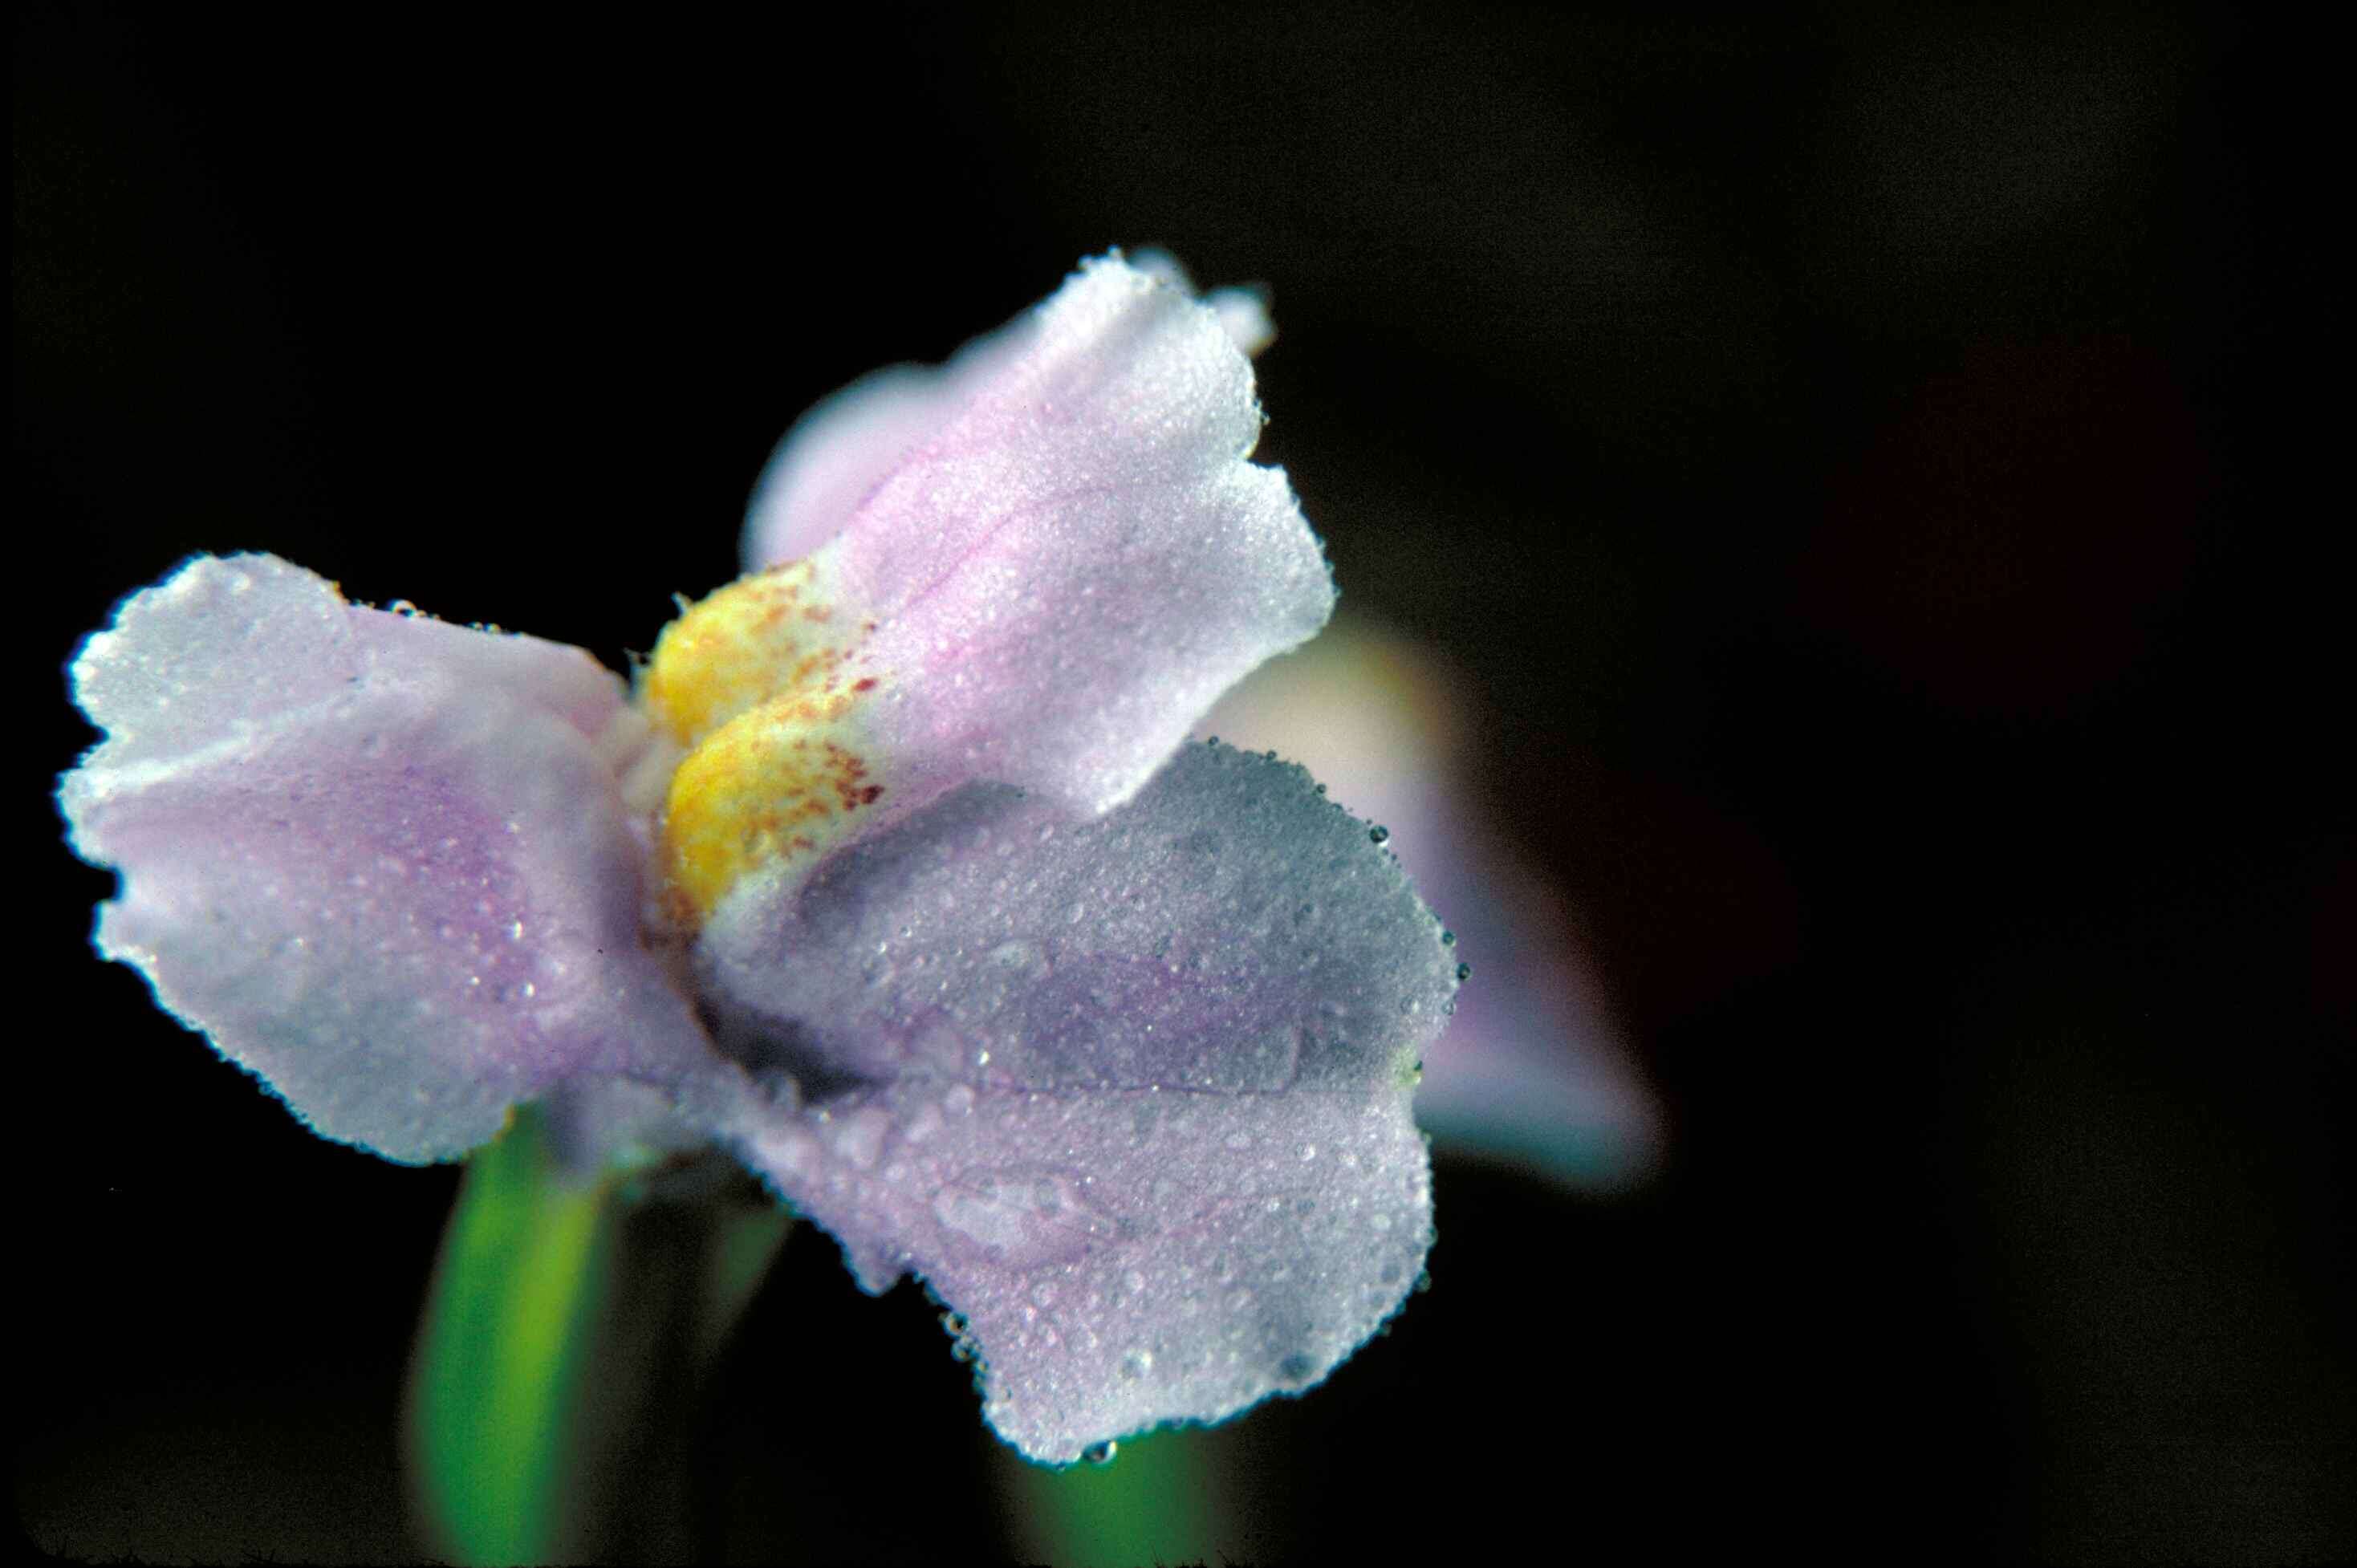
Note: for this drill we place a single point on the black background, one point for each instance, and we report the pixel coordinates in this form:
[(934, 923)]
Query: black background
[(1863, 461)]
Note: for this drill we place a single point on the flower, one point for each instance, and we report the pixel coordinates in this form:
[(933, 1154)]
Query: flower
[(895, 875)]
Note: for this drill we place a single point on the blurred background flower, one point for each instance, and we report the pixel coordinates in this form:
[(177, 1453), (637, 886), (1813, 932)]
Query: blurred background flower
[(1853, 471)]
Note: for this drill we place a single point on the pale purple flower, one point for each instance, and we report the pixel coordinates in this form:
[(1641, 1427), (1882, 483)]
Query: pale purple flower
[(895, 873)]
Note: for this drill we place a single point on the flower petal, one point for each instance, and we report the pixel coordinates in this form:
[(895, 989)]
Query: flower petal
[(1533, 1071), (851, 442), (381, 862), (837, 453), (1131, 1094), (1060, 544)]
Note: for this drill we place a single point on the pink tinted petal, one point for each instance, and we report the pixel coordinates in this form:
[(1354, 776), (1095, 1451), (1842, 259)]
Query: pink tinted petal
[(1075, 558), (1532, 1070), (1131, 1094), (849, 443), (1083, 559), (837, 453), (1070, 652), (382, 863)]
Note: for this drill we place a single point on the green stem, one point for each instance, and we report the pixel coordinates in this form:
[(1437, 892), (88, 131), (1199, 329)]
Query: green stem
[(1161, 1499), (569, 1324)]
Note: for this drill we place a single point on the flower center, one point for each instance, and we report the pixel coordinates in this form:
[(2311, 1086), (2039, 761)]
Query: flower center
[(760, 684)]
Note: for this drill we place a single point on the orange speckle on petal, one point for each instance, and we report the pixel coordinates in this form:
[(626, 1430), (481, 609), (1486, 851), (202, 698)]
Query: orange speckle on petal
[(737, 648)]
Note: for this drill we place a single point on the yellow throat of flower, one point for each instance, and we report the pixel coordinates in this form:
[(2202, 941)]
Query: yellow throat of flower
[(757, 683)]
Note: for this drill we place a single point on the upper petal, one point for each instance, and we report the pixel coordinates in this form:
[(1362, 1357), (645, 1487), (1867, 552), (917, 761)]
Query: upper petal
[(1131, 1094), (837, 453), (381, 862), (1056, 553), (849, 443)]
